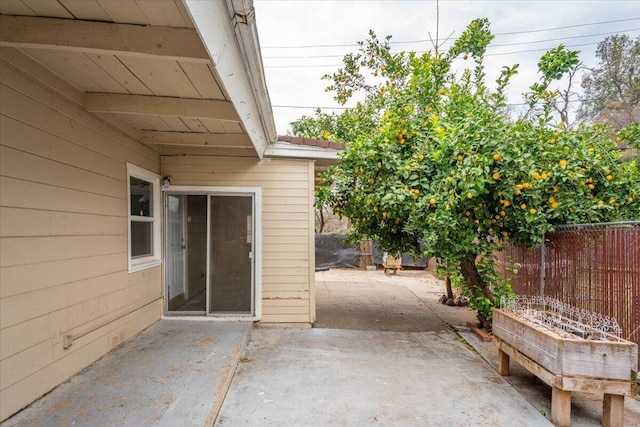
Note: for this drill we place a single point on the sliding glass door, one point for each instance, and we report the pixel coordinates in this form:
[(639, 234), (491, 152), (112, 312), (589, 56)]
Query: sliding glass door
[(209, 254)]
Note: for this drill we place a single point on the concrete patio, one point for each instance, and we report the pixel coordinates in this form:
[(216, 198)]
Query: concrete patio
[(383, 352), (175, 373)]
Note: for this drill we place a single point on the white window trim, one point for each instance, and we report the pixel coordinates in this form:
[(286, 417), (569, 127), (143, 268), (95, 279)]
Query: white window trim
[(155, 259)]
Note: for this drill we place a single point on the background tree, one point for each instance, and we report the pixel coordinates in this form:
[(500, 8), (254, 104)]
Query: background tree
[(612, 89), (434, 167), (321, 205), (564, 98)]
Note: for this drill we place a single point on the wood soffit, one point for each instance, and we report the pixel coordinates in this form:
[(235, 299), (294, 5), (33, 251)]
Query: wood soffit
[(176, 48), (102, 37)]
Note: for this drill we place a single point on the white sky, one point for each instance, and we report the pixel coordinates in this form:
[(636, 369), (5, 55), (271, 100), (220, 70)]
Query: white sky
[(295, 80)]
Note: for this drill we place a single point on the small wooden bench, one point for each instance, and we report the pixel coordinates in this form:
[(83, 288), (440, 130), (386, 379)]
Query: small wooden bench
[(391, 264)]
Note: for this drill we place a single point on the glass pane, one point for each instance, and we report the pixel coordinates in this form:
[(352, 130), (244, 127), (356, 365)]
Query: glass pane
[(187, 254), (176, 245), (141, 238), (197, 251), (230, 275), (141, 193)]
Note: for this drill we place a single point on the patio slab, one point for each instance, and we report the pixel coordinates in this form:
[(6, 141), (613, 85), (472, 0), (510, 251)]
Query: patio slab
[(330, 377), (198, 373), (372, 301), (174, 373)]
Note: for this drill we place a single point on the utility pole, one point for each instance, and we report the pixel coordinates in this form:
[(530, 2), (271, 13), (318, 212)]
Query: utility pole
[(436, 45)]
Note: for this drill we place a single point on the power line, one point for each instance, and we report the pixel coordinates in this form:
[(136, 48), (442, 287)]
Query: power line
[(565, 27), (566, 38), (537, 50), (426, 40), (302, 107), (490, 46), (307, 107), (487, 54), (305, 66)]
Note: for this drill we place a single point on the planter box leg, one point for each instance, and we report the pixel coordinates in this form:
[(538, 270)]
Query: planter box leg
[(503, 363), (613, 410), (560, 407)]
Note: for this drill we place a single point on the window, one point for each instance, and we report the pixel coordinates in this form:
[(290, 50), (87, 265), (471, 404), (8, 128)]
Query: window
[(143, 195)]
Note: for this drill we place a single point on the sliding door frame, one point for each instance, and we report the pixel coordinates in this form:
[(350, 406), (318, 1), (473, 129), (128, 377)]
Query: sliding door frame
[(256, 194)]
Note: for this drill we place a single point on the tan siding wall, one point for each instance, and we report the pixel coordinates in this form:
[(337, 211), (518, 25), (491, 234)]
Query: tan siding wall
[(63, 235), (287, 223)]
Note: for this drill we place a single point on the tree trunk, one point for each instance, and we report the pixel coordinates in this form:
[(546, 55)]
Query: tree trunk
[(474, 282), (472, 278), (449, 289), (321, 225)]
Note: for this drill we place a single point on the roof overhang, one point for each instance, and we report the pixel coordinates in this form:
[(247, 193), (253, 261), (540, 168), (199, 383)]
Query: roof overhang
[(171, 74), (324, 153), (240, 66), (322, 156)]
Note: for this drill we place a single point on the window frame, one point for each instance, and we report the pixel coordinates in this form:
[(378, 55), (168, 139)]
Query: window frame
[(155, 259)]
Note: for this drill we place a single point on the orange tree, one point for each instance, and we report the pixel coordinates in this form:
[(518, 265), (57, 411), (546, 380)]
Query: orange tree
[(434, 166)]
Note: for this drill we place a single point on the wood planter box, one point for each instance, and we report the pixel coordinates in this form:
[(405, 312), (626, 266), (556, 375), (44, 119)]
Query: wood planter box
[(567, 364)]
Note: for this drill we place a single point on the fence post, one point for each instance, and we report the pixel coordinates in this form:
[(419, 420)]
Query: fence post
[(542, 266), (366, 254)]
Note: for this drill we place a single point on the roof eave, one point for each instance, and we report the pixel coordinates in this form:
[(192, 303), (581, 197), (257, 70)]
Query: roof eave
[(244, 19), (325, 156), (238, 65)]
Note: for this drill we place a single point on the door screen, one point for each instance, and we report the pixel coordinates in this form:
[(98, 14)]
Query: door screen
[(231, 254)]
